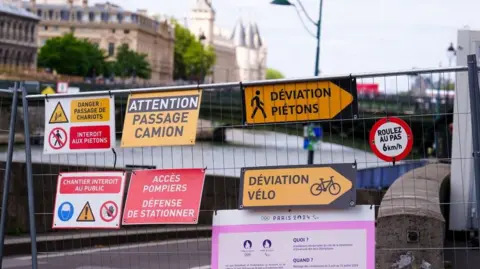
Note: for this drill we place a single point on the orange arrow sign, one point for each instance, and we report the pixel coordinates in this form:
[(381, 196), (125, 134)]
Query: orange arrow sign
[(327, 185), (303, 101)]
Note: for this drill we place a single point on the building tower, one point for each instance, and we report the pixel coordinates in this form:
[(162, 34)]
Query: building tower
[(202, 20)]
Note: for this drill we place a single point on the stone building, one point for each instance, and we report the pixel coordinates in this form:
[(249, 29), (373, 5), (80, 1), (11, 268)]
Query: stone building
[(109, 26), (18, 36), (241, 53)]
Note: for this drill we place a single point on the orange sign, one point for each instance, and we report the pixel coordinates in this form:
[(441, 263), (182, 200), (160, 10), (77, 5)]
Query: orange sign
[(302, 101), (323, 185), (161, 119)]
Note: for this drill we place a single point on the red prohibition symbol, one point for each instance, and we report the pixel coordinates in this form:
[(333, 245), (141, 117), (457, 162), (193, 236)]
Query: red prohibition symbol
[(108, 211), (391, 139), (57, 138)]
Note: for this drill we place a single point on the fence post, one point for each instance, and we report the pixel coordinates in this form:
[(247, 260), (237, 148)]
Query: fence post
[(30, 189), (8, 168), (474, 91)]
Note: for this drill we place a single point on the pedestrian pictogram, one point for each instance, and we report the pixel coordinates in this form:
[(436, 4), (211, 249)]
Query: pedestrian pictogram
[(108, 211), (330, 186), (257, 104), (65, 211), (57, 138), (86, 214), (58, 115)]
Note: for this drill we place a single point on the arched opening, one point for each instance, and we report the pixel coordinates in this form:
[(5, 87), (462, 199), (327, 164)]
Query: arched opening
[(26, 36), (5, 57), (14, 30), (32, 33), (18, 59)]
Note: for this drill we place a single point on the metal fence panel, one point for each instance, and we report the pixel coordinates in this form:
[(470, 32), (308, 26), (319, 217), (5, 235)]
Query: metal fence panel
[(411, 198)]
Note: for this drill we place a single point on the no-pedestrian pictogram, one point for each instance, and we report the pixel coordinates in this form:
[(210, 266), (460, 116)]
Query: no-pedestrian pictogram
[(86, 214), (58, 115), (108, 211), (57, 138)]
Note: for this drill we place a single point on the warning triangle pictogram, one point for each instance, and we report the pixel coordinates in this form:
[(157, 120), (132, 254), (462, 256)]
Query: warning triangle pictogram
[(86, 214), (58, 115)]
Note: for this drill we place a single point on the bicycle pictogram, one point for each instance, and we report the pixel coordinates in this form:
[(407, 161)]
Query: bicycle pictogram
[(325, 185)]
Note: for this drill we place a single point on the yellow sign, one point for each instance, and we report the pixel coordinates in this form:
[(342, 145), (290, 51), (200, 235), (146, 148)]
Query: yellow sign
[(48, 90), (58, 115), (86, 214), (161, 119), (289, 102), (298, 186), (90, 110)]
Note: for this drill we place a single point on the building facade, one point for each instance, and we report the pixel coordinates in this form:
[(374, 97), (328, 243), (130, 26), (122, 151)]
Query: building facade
[(241, 53), (109, 26), (18, 36)]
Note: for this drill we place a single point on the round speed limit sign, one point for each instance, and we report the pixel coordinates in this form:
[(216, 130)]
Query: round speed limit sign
[(391, 139)]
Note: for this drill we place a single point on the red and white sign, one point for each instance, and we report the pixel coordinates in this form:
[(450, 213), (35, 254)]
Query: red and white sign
[(164, 197), (85, 137), (391, 139), (89, 200), (62, 87), (79, 125)]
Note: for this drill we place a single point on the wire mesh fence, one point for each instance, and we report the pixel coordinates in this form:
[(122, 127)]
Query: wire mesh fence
[(411, 198)]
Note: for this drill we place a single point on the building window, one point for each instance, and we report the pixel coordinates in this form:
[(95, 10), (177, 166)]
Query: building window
[(45, 28), (2, 24), (79, 15), (134, 18), (120, 17), (111, 49), (126, 31), (65, 15), (43, 41), (113, 31), (50, 14), (39, 13), (14, 32), (55, 27), (91, 16), (7, 30), (26, 37), (105, 16)]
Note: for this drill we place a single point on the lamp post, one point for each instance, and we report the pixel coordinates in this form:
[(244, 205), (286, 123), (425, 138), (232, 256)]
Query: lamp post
[(318, 24)]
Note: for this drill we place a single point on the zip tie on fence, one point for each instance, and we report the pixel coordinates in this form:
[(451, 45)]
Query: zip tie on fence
[(371, 206), (110, 93), (46, 97), (198, 87), (114, 158)]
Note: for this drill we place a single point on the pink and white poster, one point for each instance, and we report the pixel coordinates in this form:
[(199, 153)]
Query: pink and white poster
[(284, 239)]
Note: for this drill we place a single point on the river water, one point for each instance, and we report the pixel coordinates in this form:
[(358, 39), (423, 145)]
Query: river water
[(243, 148)]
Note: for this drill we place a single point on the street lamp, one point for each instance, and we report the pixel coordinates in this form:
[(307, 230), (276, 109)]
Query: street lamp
[(318, 24), (451, 53)]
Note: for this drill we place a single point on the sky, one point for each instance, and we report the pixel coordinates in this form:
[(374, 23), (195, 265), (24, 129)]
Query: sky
[(356, 35)]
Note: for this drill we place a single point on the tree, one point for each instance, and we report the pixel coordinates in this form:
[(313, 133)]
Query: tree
[(274, 74), (131, 64), (69, 55), (192, 60)]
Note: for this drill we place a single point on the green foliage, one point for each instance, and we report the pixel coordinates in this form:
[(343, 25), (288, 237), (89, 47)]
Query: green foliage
[(69, 55), (192, 60), (130, 63), (274, 74)]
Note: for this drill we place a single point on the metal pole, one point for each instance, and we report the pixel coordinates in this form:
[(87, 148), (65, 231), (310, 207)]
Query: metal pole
[(317, 64), (30, 189), (474, 91), (8, 168)]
